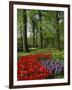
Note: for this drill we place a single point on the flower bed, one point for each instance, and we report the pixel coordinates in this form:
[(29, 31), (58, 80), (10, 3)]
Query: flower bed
[(38, 66), (30, 69)]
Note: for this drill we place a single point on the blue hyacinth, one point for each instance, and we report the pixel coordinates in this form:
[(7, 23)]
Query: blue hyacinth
[(56, 67)]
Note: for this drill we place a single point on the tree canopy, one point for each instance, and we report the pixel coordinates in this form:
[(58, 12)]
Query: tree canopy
[(40, 29)]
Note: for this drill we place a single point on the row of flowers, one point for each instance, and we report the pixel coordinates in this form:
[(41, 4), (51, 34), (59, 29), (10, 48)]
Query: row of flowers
[(29, 68)]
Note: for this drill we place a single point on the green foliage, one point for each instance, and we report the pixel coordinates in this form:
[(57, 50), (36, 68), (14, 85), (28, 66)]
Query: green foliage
[(58, 55), (48, 26)]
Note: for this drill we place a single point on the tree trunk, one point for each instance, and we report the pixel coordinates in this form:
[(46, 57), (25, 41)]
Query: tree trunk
[(36, 43), (33, 27), (21, 38), (25, 47), (41, 37), (57, 30)]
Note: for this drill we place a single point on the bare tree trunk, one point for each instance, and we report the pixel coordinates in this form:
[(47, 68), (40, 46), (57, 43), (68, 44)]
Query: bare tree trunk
[(21, 38), (57, 30), (25, 30), (33, 27), (41, 37)]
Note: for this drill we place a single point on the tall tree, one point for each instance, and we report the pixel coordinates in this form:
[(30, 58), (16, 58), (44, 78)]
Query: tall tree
[(61, 28), (41, 37), (20, 29), (57, 30), (36, 37), (33, 29), (25, 31)]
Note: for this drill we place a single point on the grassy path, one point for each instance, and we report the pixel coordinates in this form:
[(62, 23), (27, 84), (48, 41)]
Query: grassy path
[(56, 54)]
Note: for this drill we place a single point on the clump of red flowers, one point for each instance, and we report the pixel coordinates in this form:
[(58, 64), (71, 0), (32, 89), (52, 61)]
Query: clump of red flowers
[(29, 68)]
